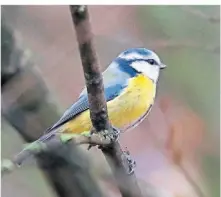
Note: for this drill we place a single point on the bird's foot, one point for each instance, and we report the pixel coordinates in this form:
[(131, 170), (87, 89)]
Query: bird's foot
[(113, 135), (105, 134), (128, 162)]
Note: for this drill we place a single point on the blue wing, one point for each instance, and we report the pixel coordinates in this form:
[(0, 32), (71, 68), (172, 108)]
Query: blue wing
[(114, 83)]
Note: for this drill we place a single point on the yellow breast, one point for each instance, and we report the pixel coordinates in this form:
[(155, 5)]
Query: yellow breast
[(131, 104)]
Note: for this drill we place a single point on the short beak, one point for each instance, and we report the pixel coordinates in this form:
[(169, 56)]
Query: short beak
[(162, 66)]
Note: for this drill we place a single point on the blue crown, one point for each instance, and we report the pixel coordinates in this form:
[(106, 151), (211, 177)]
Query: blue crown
[(140, 51)]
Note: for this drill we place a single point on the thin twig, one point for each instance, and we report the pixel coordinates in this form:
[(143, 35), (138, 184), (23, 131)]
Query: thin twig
[(97, 103), (54, 143)]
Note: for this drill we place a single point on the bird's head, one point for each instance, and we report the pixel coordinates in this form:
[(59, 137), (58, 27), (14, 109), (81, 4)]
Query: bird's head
[(141, 60)]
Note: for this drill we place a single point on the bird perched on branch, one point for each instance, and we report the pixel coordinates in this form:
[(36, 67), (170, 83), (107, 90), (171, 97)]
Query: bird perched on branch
[(130, 84)]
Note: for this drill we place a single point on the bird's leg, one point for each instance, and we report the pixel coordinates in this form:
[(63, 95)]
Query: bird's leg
[(128, 162)]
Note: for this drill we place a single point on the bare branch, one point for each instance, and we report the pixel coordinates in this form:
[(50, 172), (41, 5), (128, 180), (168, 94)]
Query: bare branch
[(93, 77), (97, 103), (54, 143)]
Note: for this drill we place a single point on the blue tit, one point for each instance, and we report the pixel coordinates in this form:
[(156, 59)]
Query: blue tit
[(130, 84)]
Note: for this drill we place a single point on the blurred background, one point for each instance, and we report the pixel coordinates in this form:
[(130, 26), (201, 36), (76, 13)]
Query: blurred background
[(176, 148)]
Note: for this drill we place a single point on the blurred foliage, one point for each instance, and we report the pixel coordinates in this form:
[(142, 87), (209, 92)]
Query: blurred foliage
[(29, 108), (188, 39), (188, 44)]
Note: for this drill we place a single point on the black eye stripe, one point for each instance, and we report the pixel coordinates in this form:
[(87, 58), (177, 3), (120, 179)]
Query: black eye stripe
[(152, 62)]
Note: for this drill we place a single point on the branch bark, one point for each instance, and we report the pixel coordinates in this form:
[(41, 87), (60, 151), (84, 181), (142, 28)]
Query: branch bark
[(97, 102), (55, 143)]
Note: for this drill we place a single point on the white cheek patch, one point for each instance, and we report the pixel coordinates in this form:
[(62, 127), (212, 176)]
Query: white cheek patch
[(149, 70)]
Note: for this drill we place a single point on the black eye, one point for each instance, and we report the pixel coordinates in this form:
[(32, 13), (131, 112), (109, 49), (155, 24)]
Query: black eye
[(152, 61)]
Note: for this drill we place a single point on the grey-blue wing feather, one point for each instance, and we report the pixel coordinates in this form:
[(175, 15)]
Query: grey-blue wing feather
[(79, 106), (114, 83)]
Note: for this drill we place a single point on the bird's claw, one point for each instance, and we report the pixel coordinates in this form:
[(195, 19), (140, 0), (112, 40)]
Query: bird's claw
[(116, 133), (105, 134), (113, 136)]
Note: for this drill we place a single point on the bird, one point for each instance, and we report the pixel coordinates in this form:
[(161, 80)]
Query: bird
[(130, 85)]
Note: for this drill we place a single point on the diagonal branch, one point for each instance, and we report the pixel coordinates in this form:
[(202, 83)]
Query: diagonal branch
[(93, 77), (53, 144), (97, 103)]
